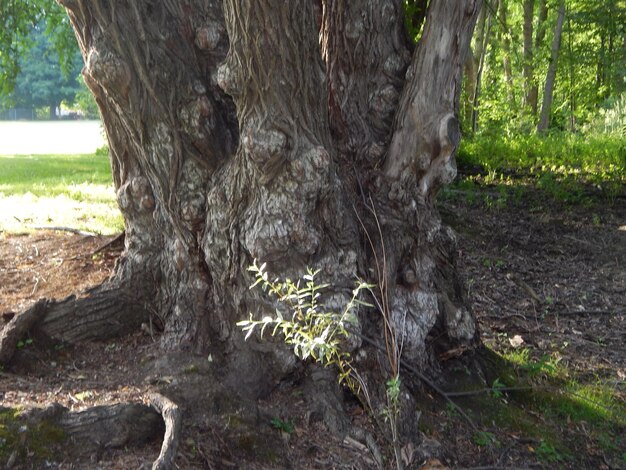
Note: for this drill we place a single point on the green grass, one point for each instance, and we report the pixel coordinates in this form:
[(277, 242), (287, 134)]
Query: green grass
[(566, 168), (560, 409), (58, 190), (559, 153)]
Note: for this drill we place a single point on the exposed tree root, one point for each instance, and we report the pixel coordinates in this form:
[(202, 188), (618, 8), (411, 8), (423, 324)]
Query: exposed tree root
[(18, 327), (114, 426), (104, 312), (89, 432), (172, 417)]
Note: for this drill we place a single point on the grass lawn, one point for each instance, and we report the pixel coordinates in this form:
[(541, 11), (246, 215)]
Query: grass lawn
[(58, 190)]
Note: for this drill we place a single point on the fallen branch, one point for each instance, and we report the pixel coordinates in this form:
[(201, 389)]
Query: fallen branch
[(64, 229), (17, 328), (480, 391), (172, 417), (586, 312), (524, 286)]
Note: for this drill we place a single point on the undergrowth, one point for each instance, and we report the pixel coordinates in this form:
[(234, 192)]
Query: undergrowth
[(545, 404), (566, 168)]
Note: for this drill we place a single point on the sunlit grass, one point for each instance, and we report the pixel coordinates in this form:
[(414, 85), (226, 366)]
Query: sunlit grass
[(567, 168), (73, 191)]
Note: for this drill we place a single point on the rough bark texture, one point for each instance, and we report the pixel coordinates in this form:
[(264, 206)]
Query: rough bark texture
[(366, 53), (288, 132), (17, 328), (92, 431)]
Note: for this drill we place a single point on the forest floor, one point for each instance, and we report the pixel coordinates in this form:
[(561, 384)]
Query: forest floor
[(548, 285)]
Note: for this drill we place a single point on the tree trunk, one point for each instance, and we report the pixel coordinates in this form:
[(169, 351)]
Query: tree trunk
[(546, 106), (533, 95), (528, 68), (506, 52), (481, 65), (291, 133)]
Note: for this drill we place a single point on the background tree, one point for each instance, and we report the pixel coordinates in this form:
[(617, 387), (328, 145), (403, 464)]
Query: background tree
[(41, 81), (589, 75), (551, 75)]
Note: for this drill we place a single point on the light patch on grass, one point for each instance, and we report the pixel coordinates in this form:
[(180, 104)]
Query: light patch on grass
[(21, 213), (594, 401), (58, 190)]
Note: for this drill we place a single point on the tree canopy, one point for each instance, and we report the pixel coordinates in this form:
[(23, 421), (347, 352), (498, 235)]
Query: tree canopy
[(41, 80), (19, 19), (504, 81)]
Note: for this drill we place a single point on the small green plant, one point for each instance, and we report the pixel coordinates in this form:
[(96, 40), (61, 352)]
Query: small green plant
[(484, 438), (451, 411), (497, 387), (313, 333), (546, 365), (548, 453), (23, 344), (284, 426)]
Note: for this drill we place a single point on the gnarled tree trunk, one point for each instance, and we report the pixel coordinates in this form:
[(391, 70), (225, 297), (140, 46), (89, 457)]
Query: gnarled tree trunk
[(288, 132)]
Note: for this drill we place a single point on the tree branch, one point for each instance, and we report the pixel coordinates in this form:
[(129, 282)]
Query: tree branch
[(426, 131)]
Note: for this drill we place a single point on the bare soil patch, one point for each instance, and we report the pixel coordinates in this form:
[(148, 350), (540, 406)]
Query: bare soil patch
[(554, 275)]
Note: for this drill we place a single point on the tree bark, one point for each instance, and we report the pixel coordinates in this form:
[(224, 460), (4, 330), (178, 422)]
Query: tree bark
[(546, 106), (70, 435), (290, 134)]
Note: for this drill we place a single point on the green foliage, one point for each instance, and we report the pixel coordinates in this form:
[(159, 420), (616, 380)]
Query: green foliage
[(484, 438), (590, 68), (566, 168), (548, 453), (22, 344), (413, 17), (84, 101), (393, 400), (20, 17), (41, 80), (284, 426), (313, 333), (497, 387)]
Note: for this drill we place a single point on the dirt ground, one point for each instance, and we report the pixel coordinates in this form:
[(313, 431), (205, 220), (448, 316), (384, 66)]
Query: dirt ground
[(551, 276)]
